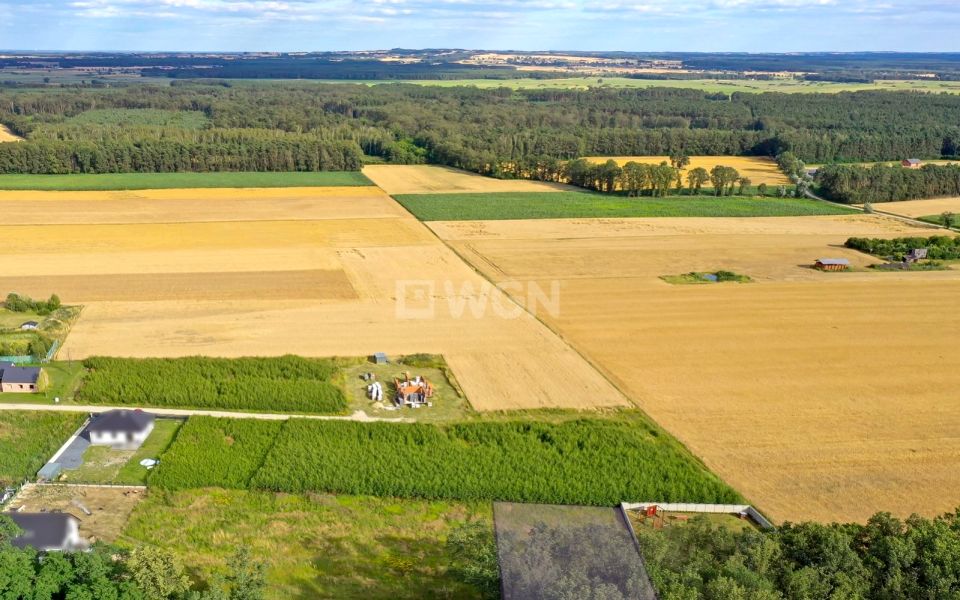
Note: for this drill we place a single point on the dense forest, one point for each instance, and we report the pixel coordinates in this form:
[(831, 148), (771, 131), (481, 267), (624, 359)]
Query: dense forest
[(882, 183), (885, 559), (499, 132)]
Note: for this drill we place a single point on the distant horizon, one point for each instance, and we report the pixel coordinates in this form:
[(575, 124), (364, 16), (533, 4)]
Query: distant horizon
[(755, 26), (18, 51)]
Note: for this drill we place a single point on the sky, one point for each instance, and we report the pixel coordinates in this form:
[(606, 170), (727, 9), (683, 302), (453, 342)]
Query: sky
[(640, 25)]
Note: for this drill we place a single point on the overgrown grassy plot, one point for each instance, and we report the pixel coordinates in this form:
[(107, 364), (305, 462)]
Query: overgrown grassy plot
[(103, 464), (599, 462), (28, 439), (316, 546), (215, 452), (558, 205), (283, 384)]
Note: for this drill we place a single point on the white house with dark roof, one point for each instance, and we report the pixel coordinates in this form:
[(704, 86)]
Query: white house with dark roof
[(14, 379), (47, 532), (120, 428)]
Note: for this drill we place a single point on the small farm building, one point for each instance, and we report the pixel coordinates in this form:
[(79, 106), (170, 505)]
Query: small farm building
[(832, 264), (120, 428), (912, 163), (14, 379), (47, 532), (380, 358), (29, 326)]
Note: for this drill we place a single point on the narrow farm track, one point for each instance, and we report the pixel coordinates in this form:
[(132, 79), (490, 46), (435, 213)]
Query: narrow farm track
[(358, 416)]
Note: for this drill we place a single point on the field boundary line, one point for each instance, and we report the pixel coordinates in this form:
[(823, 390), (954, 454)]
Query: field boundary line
[(358, 416)]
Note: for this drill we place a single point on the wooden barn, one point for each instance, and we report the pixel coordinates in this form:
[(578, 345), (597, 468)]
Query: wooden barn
[(912, 163), (832, 264)]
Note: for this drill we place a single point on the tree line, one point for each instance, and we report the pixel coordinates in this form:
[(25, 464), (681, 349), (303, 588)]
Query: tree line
[(112, 573), (499, 132), (887, 558), (854, 184)]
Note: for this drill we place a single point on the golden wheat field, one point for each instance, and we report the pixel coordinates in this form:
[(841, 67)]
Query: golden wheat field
[(920, 208), (825, 396), (758, 169), (430, 179), (316, 272), (8, 136)]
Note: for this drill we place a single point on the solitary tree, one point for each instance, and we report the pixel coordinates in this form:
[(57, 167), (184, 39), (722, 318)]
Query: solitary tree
[(949, 219), (744, 183), (762, 189)]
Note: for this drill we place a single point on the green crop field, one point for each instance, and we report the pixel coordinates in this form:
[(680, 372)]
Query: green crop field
[(147, 181), (558, 205), (278, 384), (316, 546), (584, 461), (215, 452), (28, 439)]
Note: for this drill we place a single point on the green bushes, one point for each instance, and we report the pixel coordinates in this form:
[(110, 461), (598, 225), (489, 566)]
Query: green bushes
[(28, 439), (17, 303), (854, 184), (598, 462), (939, 247), (284, 384), (216, 452)]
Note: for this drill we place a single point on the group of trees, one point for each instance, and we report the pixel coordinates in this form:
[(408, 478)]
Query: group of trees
[(111, 573), (17, 303), (500, 132), (643, 179), (885, 559), (939, 247), (882, 183)]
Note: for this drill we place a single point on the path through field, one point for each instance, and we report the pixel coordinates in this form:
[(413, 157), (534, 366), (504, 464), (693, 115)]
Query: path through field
[(825, 396)]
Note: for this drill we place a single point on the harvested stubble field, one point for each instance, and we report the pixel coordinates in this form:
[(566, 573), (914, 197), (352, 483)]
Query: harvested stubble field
[(920, 208), (825, 396), (314, 272), (430, 179), (8, 136), (758, 169)]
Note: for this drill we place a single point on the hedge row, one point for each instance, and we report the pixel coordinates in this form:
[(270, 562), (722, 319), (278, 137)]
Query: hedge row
[(939, 247), (286, 384), (594, 462)]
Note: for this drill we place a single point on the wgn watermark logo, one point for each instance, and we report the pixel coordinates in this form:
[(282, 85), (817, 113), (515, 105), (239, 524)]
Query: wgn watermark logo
[(422, 299)]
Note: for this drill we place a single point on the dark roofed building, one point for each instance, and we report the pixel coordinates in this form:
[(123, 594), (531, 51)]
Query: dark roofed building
[(19, 379), (47, 531), (120, 428), (832, 264)]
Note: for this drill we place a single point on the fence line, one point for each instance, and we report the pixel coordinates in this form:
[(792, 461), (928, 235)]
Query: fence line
[(26, 358), (739, 509)]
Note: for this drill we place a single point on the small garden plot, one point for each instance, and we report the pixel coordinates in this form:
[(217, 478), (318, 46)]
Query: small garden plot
[(698, 277), (31, 328), (938, 247), (28, 439), (447, 403), (102, 511), (284, 384), (103, 464)]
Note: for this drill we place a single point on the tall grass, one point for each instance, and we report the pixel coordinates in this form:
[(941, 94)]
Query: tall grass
[(595, 462), (215, 452), (28, 439), (283, 384)]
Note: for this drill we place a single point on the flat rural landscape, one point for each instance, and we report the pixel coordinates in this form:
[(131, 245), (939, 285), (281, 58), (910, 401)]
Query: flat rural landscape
[(279, 322)]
